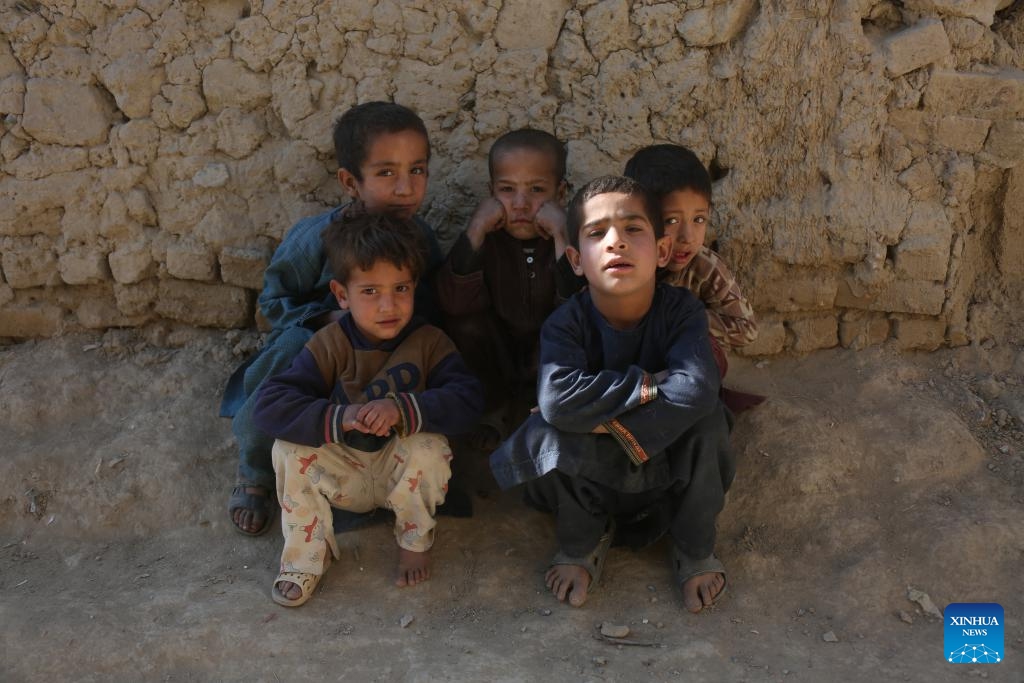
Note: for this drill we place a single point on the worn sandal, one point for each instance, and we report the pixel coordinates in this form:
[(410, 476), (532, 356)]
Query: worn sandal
[(593, 563), (686, 568), (307, 583), (241, 499)]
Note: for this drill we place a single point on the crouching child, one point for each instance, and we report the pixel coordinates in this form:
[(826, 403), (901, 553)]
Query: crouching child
[(630, 440), (361, 415)]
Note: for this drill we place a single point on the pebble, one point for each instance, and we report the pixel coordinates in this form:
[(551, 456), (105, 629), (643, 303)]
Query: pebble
[(600, 661), (406, 620), (545, 612), (613, 630), (905, 618), (1004, 448), (830, 637)]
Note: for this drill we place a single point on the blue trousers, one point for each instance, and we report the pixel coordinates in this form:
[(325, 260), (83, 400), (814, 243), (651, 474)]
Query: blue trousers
[(255, 466)]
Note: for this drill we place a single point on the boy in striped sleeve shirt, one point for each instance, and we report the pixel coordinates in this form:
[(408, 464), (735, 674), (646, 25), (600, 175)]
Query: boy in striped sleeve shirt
[(360, 416)]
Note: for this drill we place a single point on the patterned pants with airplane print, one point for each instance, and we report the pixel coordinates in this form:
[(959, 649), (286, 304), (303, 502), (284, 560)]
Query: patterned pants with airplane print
[(409, 476)]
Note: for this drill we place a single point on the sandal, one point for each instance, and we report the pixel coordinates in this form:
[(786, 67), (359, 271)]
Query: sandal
[(307, 583), (241, 499), (686, 568), (593, 563)]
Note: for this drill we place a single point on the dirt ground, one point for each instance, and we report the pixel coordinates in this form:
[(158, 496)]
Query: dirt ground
[(865, 474)]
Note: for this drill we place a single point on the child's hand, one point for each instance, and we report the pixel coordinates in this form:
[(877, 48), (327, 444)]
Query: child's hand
[(550, 222), (488, 217), (379, 416), (350, 419)]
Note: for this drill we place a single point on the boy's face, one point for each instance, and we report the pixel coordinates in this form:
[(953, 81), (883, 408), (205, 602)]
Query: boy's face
[(394, 174), (618, 251), (686, 215), (380, 299), (523, 180)]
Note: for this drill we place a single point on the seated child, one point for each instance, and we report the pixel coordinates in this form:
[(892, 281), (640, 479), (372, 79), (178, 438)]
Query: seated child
[(499, 282), (382, 151), (630, 440), (360, 415), (682, 184)]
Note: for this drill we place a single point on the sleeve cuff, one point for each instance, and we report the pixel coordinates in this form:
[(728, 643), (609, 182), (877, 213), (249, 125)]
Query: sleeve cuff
[(637, 455), (411, 420), (334, 431)]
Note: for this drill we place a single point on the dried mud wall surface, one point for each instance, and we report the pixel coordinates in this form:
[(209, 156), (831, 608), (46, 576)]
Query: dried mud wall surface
[(867, 155)]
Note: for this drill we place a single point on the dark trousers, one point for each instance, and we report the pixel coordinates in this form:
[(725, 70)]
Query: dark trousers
[(703, 468)]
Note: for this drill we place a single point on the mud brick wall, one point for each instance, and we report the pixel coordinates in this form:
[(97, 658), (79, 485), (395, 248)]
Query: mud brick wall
[(867, 155)]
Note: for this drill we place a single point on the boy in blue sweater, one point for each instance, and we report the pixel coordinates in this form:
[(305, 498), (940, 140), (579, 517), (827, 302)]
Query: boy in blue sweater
[(382, 151), (630, 441), (360, 415)]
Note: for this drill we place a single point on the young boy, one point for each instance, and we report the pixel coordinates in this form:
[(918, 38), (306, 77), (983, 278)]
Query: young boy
[(382, 152), (683, 186), (630, 440), (505, 272), (359, 416)]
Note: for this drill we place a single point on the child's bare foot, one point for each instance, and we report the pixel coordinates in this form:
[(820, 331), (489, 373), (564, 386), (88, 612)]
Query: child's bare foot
[(568, 580), (413, 567), (700, 591)]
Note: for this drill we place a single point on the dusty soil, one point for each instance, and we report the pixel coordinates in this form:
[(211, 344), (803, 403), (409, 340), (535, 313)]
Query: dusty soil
[(864, 475)]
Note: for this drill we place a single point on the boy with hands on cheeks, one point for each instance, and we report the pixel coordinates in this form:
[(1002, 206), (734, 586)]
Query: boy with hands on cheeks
[(361, 414), (507, 272)]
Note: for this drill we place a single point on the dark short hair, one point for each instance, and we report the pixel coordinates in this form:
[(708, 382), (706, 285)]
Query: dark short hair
[(605, 185), (533, 139), (357, 128), (356, 239), (668, 168)]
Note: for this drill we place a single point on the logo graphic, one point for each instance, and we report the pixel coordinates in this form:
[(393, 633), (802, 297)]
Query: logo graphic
[(974, 633)]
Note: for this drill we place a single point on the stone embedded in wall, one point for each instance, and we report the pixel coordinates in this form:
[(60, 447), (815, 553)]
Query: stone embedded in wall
[(606, 28), (140, 138), (136, 299), (12, 94), (899, 296), (811, 334), (297, 166), (920, 45), (36, 320), (244, 266), (771, 338), (962, 133), (715, 24), (530, 24), (257, 44), (83, 266), (132, 262), (133, 85), (229, 84), (27, 266), (239, 133), (1005, 144), (178, 106), (41, 161), (621, 80), (923, 251), (921, 181), (982, 11), (65, 113), (204, 305), (212, 175), (997, 95), (430, 89), (858, 331), (102, 313), (919, 334), (657, 23), (190, 261), (1010, 254), (795, 291)]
